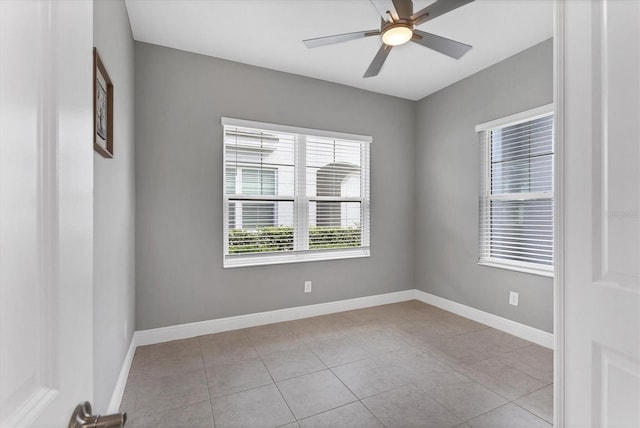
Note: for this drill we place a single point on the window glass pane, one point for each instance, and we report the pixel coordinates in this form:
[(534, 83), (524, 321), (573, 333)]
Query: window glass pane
[(523, 175), (259, 182), (261, 227), (333, 167), (230, 181), (522, 230), (334, 224), (265, 160), (522, 157)]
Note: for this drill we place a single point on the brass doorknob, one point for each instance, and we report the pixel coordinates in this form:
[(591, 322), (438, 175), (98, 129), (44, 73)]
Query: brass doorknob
[(82, 418)]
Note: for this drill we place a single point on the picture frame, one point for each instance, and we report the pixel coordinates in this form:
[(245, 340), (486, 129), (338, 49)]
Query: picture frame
[(102, 108)]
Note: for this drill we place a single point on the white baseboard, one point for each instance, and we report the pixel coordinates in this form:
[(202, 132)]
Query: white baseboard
[(185, 331), (118, 390), (522, 331)]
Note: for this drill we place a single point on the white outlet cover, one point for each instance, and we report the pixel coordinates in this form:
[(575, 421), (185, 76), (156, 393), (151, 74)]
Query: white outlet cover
[(514, 298), (307, 286)]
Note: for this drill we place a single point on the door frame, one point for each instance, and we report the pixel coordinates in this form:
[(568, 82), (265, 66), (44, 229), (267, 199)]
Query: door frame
[(558, 277)]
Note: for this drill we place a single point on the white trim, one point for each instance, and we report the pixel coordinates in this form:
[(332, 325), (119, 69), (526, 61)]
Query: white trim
[(522, 331), (121, 383), (229, 121), (185, 331), (523, 116), (559, 40), (524, 267), (261, 259)]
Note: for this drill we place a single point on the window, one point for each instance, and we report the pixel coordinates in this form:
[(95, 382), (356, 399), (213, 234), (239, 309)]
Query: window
[(293, 194), (516, 196)]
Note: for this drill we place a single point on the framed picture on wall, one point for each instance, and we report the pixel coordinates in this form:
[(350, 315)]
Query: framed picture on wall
[(102, 108)]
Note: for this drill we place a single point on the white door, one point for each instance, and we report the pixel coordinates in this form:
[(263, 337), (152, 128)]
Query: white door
[(46, 184), (599, 58)]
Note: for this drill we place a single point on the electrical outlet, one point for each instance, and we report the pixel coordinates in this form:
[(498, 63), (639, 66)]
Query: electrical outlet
[(307, 286), (514, 298)]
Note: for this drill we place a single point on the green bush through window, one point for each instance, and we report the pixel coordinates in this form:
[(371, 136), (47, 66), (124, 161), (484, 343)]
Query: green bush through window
[(280, 238)]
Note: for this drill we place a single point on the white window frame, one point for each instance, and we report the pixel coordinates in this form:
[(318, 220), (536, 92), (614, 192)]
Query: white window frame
[(301, 201), (484, 130)]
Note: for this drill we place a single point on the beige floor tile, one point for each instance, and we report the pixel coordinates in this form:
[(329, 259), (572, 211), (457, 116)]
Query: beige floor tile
[(466, 400), (260, 407), (265, 345), (196, 415), (432, 382), (225, 352), (539, 403), (502, 378), (314, 393), (353, 415), (382, 340), (338, 351), (533, 360), (175, 348), (237, 376), (508, 416), (288, 364), (369, 377), (407, 407), (269, 330), (418, 364), (476, 346), (158, 367), (450, 324), (165, 392)]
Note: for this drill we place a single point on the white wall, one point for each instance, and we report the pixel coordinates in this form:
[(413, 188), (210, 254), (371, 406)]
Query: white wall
[(114, 206)]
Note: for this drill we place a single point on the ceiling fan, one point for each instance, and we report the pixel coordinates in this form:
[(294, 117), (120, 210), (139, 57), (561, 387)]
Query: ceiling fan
[(398, 27)]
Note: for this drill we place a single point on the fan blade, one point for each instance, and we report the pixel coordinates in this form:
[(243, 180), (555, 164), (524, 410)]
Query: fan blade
[(386, 9), (436, 9), (404, 8), (440, 44), (339, 38), (378, 61)]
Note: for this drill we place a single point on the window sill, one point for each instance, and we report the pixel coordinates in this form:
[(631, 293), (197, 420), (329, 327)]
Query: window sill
[(294, 257), (518, 267)]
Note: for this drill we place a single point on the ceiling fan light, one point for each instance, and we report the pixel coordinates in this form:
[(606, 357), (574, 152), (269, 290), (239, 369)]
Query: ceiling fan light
[(397, 34)]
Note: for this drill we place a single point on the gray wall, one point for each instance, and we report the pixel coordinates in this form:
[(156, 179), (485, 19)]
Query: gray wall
[(447, 168), (180, 98), (114, 204)]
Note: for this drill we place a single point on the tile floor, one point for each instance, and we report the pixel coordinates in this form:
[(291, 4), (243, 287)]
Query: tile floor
[(401, 365)]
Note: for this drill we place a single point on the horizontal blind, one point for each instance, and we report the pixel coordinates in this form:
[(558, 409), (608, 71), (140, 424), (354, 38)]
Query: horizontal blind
[(516, 204)]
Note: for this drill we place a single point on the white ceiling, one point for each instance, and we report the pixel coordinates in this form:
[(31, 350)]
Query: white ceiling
[(269, 33)]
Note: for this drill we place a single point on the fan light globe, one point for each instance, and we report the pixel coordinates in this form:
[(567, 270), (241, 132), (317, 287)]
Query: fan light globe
[(397, 35)]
